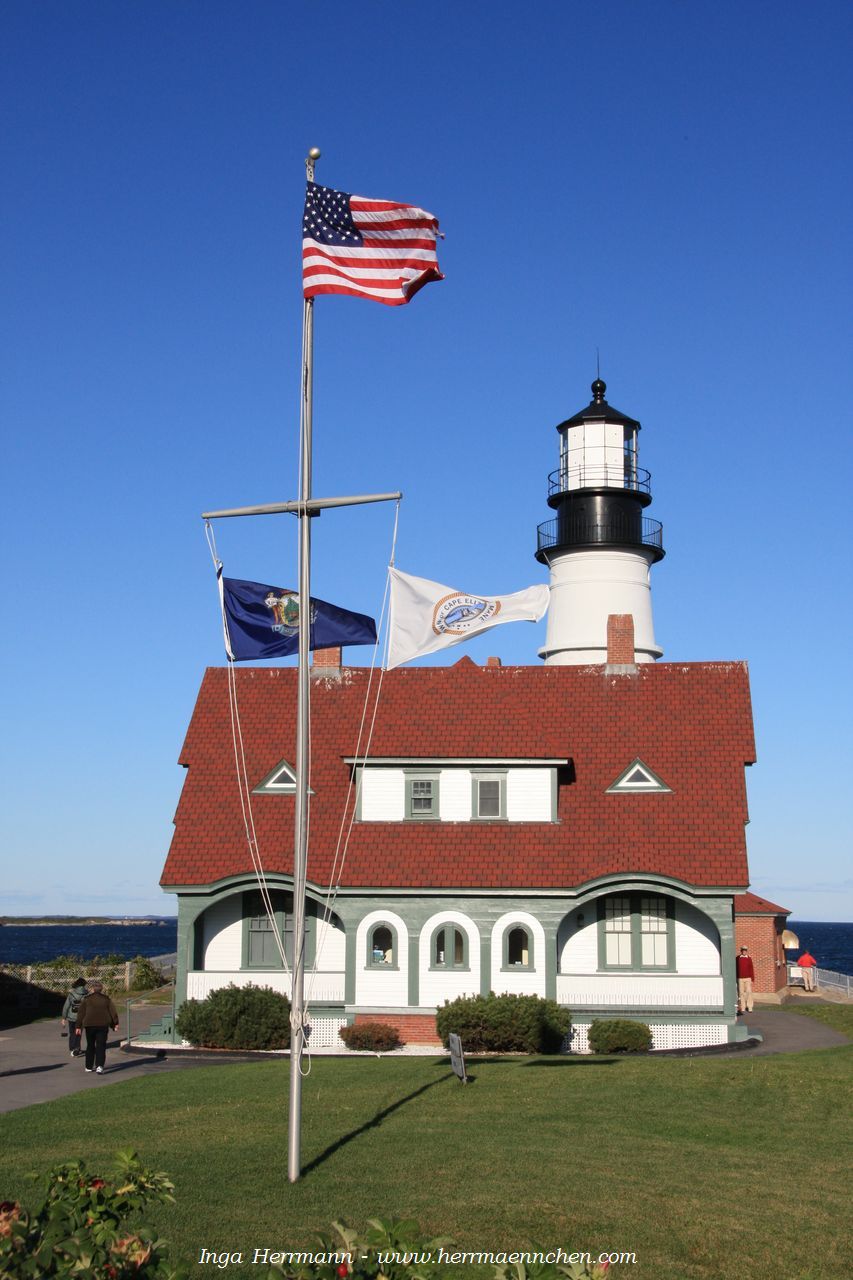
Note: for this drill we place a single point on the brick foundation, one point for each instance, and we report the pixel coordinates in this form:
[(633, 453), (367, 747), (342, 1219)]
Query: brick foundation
[(413, 1028)]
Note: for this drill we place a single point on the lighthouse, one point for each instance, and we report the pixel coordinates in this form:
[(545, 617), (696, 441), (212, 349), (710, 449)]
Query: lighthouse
[(600, 546)]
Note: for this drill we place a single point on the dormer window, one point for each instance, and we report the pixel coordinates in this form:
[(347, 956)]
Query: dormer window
[(489, 796), (638, 777), (422, 795), (281, 781)]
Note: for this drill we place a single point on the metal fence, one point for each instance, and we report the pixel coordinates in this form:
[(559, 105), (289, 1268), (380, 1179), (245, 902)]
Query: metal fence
[(827, 979), (115, 977), (842, 982)]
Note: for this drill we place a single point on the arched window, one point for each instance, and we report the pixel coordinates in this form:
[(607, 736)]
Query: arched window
[(449, 948), (381, 947), (518, 948)]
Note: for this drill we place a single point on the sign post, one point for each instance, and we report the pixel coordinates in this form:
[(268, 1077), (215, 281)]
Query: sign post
[(457, 1057)]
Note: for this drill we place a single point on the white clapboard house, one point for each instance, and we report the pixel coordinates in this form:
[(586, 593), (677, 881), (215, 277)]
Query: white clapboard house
[(573, 828)]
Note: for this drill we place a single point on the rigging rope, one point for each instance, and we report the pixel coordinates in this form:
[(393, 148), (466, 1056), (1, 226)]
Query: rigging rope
[(354, 788), (350, 801), (243, 785)]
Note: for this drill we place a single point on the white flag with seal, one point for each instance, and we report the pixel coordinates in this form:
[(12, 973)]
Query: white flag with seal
[(426, 616)]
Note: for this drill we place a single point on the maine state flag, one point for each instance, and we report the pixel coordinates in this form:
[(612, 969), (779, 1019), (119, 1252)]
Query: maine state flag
[(263, 622)]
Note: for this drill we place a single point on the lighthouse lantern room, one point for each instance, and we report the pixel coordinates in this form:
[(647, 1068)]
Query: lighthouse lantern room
[(600, 546)]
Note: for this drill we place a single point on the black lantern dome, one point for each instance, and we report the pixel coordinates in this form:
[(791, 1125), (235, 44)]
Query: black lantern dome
[(598, 492)]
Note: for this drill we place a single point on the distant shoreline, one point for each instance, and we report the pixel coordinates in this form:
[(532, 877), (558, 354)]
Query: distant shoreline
[(44, 922)]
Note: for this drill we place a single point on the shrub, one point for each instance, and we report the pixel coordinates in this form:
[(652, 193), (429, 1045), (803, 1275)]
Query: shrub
[(236, 1018), (620, 1035), (505, 1024), (375, 1036), (87, 1226), (146, 974)]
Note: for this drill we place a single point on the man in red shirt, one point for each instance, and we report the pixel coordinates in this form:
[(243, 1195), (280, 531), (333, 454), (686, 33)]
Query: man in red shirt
[(808, 964), (745, 976)]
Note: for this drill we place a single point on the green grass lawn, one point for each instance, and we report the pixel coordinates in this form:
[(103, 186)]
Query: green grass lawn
[(697, 1165), (837, 1016)]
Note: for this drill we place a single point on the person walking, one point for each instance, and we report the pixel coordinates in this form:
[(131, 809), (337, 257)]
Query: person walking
[(97, 1015), (73, 1000), (745, 977), (808, 964)]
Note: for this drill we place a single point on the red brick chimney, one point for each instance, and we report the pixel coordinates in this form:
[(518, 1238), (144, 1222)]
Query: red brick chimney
[(327, 658), (493, 662), (620, 640)]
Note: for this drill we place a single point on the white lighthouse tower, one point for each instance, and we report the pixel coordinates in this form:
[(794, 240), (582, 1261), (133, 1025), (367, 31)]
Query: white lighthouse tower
[(600, 547)]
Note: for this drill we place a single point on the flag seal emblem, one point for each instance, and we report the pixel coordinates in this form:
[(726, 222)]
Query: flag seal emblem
[(457, 614), (285, 610)]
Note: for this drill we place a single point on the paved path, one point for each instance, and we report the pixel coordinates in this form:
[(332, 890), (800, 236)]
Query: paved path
[(35, 1065), (785, 1032)]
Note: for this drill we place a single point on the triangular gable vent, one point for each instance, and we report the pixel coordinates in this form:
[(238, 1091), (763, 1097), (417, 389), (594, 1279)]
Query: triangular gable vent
[(281, 781), (638, 777)]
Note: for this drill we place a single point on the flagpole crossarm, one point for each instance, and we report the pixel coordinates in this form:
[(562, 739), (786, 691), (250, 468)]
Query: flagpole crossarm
[(311, 507)]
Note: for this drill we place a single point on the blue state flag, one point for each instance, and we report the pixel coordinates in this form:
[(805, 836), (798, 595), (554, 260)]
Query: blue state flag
[(263, 622)]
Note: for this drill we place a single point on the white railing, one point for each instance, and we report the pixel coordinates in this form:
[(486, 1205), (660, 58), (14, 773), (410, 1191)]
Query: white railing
[(642, 990), (828, 978), (320, 986), (835, 981)]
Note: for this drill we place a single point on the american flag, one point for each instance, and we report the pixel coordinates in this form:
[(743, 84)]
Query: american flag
[(367, 248)]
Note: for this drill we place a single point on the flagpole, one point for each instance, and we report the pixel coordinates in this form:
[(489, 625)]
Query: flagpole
[(300, 837)]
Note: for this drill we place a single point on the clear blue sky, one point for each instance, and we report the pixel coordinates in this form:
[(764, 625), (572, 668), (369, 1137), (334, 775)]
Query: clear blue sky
[(666, 182)]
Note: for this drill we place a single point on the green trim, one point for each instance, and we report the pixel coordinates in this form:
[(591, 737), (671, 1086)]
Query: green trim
[(506, 967), (636, 964), (488, 775), (414, 971), (572, 894), (448, 964), (384, 966), (350, 965), (412, 776), (485, 961), (551, 964)]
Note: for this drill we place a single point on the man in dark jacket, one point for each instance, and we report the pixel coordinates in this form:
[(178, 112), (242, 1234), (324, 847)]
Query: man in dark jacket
[(97, 1015)]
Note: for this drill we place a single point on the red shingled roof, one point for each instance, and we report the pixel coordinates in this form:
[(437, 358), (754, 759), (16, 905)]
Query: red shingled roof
[(690, 723), (749, 904)]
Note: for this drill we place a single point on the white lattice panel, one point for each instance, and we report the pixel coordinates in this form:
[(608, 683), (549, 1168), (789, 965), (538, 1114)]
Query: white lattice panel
[(664, 1036), (579, 1038), (671, 1036), (324, 1033)]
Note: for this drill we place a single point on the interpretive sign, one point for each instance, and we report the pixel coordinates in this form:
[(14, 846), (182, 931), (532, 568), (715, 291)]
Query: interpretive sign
[(457, 1057)]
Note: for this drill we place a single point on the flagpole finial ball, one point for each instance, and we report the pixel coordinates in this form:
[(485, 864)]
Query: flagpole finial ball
[(314, 153)]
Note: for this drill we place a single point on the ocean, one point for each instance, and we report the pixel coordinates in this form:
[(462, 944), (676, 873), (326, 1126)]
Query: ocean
[(32, 944), (830, 944)]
